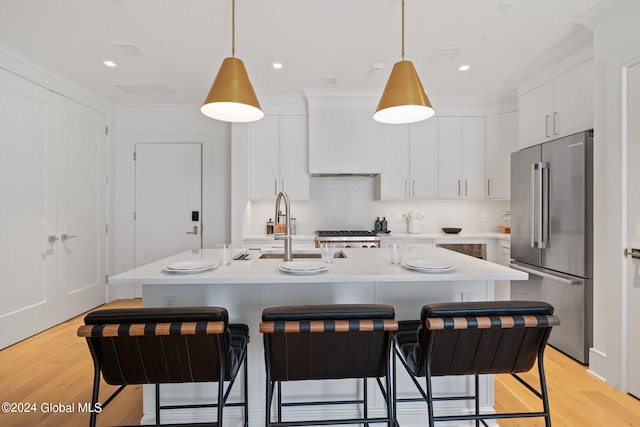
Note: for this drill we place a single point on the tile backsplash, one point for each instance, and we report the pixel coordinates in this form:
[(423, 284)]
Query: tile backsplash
[(347, 202)]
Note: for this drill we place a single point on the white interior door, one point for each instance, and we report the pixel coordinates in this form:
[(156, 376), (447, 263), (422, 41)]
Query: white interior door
[(81, 209), (633, 229), (168, 198), (28, 298)]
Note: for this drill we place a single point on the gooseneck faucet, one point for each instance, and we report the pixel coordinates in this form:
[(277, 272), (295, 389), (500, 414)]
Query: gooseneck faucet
[(287, 230)]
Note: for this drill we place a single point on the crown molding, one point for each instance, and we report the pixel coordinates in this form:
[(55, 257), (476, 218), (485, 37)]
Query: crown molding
[(22, 65)]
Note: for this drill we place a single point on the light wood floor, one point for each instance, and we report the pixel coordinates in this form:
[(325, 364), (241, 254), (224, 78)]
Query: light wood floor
[(55, 367)]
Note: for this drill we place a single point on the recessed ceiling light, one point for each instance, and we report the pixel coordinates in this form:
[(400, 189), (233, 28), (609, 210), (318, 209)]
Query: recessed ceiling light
[(375, 66), (109, 64), (277, 65), (464, 68)]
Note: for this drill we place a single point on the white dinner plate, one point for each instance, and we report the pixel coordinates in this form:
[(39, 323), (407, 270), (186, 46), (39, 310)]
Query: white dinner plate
[(190, 266), (426, 264), (428, 270), (303, 267)]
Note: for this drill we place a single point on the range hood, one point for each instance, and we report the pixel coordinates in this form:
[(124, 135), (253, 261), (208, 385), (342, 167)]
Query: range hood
[(344, 140)]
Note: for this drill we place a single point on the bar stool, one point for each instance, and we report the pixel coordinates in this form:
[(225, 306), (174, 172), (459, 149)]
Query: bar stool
[(474, 338), (328, 342), (166, 345)]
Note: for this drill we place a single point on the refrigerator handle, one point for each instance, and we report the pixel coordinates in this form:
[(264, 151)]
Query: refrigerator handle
[(543, 221), (533, 205), (568, 280)]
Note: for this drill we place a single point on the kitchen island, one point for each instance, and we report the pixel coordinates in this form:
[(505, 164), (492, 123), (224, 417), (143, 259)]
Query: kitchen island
[(246, 287)]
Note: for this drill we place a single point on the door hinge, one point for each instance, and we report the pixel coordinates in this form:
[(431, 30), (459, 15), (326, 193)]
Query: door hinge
[(134, 216), (134, 156), (106, 130)]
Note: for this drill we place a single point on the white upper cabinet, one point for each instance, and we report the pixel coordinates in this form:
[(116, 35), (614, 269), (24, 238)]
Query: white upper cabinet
[(410, 161), (264, 158), (559, 107), (345, 141), (574, 100), (461, 153), (294, 156), (278, 157), (502, 140), (423, 161), (394, 182)]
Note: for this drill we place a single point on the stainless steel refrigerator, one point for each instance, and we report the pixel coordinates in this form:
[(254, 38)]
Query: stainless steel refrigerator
[(552, 235)]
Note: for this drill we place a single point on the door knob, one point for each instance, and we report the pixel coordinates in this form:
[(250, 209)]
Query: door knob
[(65, 236), (632, 252), (195, 230), (52, 238)]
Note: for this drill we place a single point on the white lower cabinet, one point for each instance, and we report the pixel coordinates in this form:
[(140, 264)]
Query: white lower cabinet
[(278, 157), (53, 187), (461, 155)]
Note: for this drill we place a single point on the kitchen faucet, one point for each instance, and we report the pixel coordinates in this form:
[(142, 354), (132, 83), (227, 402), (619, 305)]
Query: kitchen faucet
[(287, 230)]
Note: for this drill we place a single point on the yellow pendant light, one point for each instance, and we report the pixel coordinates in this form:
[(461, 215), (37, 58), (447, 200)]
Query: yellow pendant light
[(231, 97), (403, 99)]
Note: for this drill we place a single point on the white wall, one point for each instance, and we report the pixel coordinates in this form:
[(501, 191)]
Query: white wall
[(171, 124), (614, 38)]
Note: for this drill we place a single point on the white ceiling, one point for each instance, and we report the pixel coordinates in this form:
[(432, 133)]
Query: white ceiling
[(183, 43)]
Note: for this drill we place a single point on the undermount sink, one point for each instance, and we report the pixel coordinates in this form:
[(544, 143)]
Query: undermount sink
[(299, 255)]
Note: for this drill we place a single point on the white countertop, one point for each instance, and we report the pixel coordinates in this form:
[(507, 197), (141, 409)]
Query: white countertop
[(397, 235), (361, 265), (440, 236)]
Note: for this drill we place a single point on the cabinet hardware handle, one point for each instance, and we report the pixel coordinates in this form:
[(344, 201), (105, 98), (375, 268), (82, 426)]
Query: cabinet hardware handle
[(466, 188), (64, 236), (458, 187), (546, 125), (275, 187), (489, 187), (406, 187), (555, 123), (52, 238), (413, 187), (195, 230)]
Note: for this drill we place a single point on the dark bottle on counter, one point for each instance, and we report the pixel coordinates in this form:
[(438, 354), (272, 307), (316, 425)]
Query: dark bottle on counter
[(383, 224), (378, 224), (270, 226)]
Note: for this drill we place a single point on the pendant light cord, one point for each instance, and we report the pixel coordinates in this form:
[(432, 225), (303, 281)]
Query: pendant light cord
[(233, 28), (403, 30)]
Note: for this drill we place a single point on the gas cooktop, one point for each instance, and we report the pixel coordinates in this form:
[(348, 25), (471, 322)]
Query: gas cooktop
[(345, 233)]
